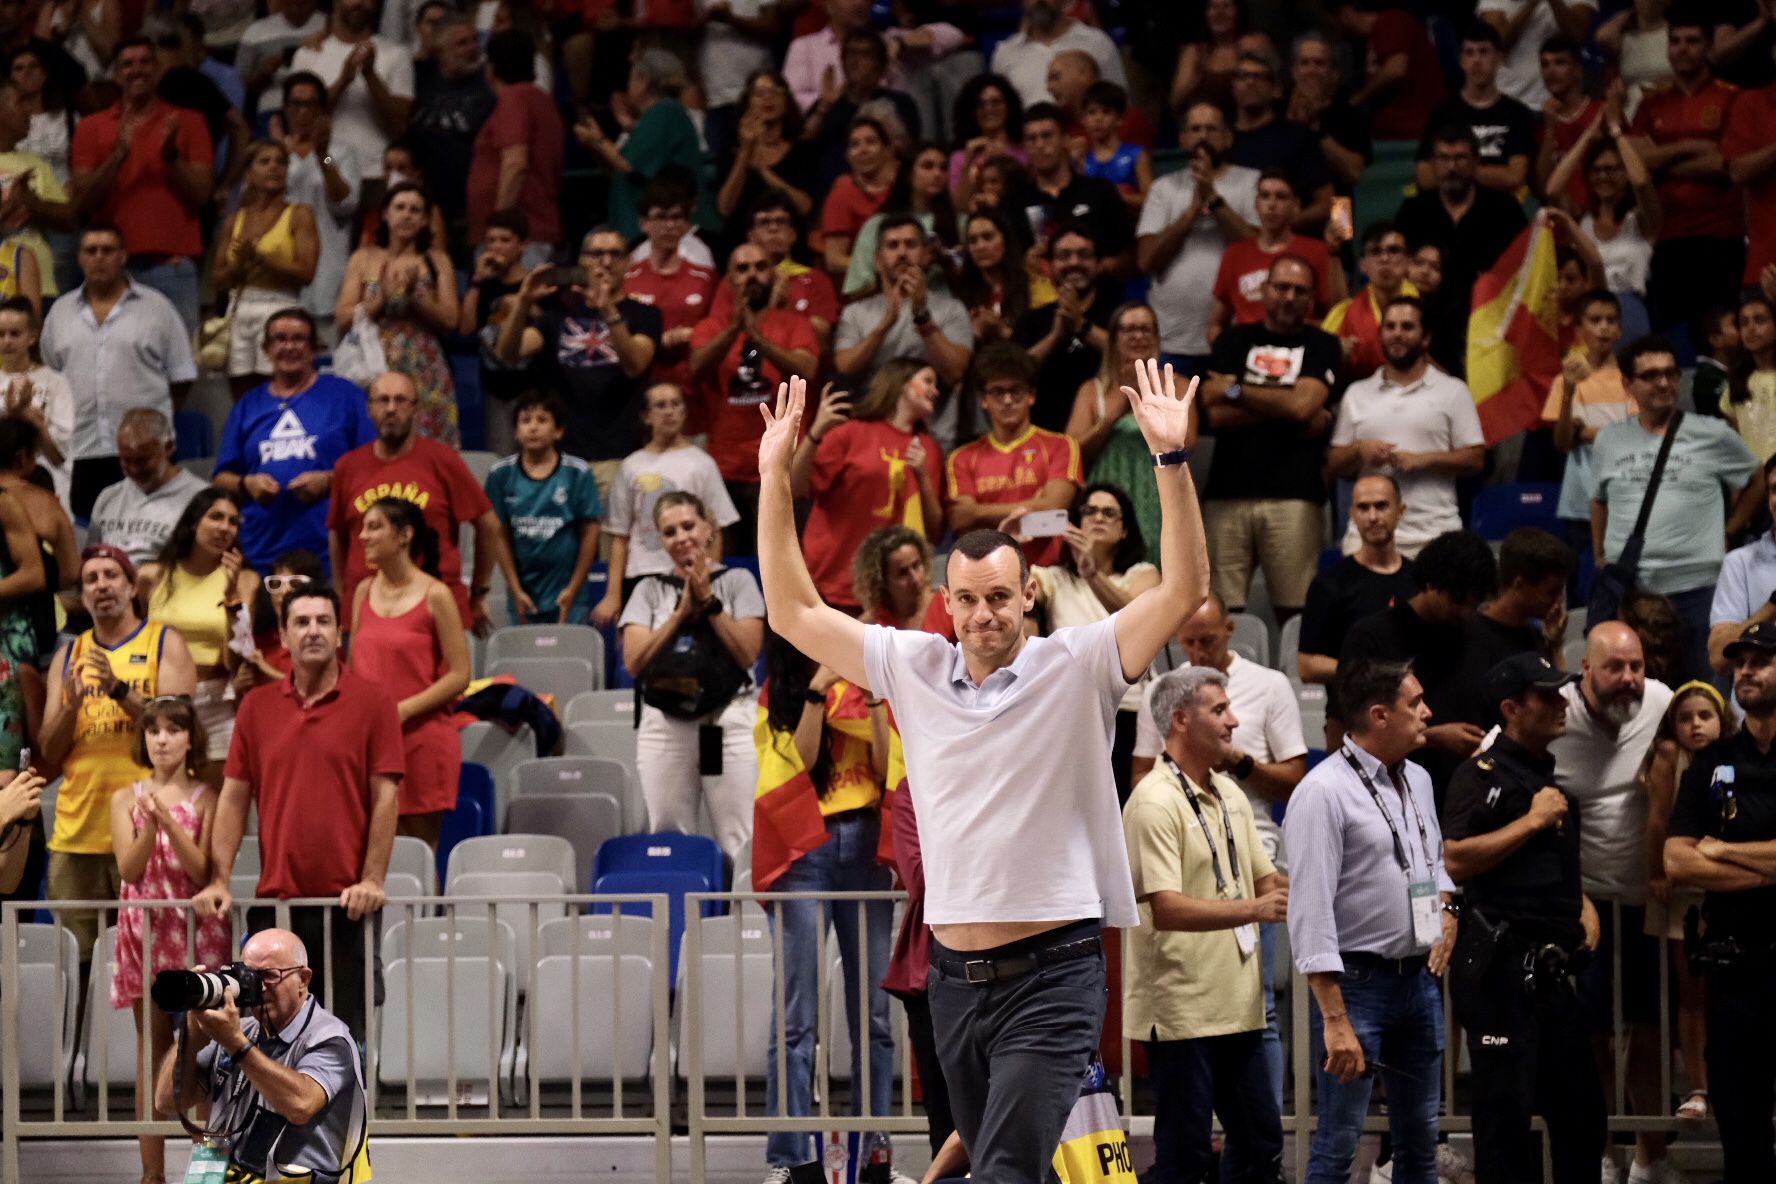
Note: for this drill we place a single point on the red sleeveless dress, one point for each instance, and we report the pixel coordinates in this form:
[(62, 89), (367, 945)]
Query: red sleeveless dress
[(402, 655)]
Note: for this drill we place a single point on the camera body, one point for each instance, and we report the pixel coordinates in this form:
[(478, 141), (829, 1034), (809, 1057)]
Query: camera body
[(195, 990)]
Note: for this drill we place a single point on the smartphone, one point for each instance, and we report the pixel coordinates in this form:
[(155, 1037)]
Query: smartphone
[(1341, 216), (1043, 524), (24, 759), (568, 277), (709, 750)]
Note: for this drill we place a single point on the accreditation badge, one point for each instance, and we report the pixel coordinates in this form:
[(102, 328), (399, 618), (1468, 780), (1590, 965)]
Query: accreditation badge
[(209, 1164), (1427, 914)]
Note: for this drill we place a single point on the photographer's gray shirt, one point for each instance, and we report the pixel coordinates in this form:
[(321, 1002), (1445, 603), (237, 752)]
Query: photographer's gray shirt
[(315, 1043)]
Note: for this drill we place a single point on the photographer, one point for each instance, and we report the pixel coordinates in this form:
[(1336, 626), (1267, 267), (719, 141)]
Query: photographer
[(1721, 840), (1511, 839), (281, 1088)]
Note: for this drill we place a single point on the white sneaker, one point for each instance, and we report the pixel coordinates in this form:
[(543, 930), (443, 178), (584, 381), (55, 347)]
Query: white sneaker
[(896, 1176), (1611, 1173), (1660, 1171), (777, 1175)]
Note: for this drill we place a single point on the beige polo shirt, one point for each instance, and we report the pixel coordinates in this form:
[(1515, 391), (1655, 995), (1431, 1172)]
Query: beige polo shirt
[(1187, 985)]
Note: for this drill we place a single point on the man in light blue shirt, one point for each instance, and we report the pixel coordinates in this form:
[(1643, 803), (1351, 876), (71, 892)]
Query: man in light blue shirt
[(1705, 495), (1745, 594), (1368, 926)]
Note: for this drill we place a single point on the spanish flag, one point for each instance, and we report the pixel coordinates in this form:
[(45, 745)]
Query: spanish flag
[(787, 821), (1513, 331)]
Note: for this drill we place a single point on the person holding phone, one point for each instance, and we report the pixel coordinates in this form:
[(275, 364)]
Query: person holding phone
[(1017, 470), (600, 344), (197, 586), (1102, 567)]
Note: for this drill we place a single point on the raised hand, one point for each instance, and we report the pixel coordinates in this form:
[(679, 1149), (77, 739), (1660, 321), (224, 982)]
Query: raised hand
[(778, 444), (1163, 416), (834, 409)]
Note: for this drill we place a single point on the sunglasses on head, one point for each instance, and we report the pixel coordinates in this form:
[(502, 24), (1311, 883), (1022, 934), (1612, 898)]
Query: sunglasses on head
[(277, 584)]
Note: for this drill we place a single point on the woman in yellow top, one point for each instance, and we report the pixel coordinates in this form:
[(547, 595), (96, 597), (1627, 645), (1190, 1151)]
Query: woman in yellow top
[(813, 722), (270, 256), (197, 586)]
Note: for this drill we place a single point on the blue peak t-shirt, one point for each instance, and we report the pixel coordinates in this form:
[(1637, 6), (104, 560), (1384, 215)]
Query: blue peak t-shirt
[(286, 438)]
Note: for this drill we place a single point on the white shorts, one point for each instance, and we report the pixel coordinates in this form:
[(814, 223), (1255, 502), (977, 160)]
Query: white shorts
[(246, 336), (213, 700)]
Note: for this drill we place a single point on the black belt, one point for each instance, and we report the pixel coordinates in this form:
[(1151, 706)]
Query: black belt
[(978, 972), (1400, 967)]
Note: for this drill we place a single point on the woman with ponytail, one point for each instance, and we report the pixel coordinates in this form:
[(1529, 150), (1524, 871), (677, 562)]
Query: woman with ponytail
[(407, 636)]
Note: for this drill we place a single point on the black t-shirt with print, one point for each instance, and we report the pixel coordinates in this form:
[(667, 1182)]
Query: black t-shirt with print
[(603, 421), (1276, 460)]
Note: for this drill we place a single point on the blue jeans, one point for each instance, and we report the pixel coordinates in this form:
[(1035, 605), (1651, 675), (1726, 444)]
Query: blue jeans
[(1398, 1020), (1273, 1037), (176, 279), (846, 862)]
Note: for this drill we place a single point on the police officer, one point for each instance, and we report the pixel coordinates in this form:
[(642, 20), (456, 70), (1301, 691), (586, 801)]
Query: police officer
[(1723, 840), (1511, 840)]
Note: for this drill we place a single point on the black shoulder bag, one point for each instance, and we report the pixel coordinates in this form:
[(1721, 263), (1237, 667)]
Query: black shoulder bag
[(692, 675), (1615, 583)]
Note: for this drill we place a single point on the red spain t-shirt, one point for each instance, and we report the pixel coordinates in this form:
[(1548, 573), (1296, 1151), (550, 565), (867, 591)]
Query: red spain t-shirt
[(1244, 266), (1693, 207), (805, 291), (731, 408), (854, 492), (1002, 474), (430, 476), (310, 769)]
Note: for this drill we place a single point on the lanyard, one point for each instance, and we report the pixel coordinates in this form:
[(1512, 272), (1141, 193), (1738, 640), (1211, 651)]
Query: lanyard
[(1406, 793), (1233, 859)]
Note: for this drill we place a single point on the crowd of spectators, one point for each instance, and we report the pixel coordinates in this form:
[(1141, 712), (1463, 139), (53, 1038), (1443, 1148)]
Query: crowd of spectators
[(595, 238)]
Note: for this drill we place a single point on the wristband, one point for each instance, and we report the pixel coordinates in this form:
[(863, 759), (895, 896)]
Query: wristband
[(119, 692), (479, 591), (815, 697), (1244, 768), (1329, 1016), (1176, 456)]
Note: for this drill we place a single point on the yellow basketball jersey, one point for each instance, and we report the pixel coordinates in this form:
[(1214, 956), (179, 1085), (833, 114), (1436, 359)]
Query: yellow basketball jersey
[(99, 762), (1094, 1149)]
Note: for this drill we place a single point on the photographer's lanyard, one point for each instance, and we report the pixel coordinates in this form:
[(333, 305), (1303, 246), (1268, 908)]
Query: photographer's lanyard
[(1246, 936), (1424, 904)]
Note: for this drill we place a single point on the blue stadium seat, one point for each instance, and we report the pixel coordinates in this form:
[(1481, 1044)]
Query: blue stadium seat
[(467, 821), (665, 852), (1500, 509), (475, 784), (194, 435), (673, 883)]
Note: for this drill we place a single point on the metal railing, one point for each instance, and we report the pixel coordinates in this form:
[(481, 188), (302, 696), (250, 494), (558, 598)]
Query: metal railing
[(522, 1098)]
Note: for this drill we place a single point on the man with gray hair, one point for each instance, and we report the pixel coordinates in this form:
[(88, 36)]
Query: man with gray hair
[(1193, 991), (137, 515), (661, 134)]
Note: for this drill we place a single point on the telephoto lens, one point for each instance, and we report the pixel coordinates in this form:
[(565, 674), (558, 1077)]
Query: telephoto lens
[(194, 990)]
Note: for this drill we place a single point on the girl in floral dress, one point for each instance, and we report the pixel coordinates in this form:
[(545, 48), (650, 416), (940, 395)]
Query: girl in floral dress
[(160, 831)]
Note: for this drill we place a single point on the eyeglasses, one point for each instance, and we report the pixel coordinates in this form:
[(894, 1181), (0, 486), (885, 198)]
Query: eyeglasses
[(1005, 393), (1664, 374), (273, 975), (277, 584), (1107, 513)]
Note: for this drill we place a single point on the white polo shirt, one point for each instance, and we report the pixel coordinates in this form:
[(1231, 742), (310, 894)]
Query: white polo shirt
[(1601, 769), (1434, 414), (1269, 730), (1017, 805)]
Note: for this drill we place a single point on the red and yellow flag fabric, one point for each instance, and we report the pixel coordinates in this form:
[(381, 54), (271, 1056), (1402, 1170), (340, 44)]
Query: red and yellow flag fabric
[(1513, 335), (788, 816)]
